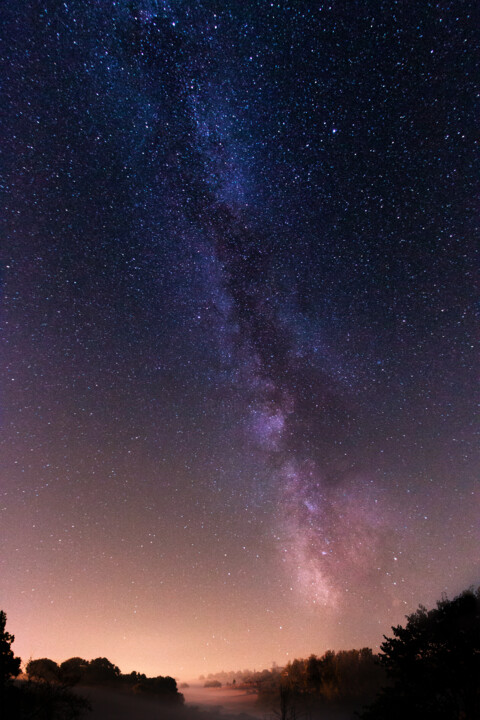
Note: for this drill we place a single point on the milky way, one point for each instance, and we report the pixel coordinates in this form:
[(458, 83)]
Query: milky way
[(239, 326)]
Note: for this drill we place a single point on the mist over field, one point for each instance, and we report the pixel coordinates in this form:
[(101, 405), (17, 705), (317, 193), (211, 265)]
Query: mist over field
[(222, 699), (200, 704)]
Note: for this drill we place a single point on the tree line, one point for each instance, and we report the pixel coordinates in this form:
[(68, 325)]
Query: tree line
[(47, 694), (100, 671), (428, 669)]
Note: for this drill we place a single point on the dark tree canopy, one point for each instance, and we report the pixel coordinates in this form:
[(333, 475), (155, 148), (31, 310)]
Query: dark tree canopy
[(343, 676), (43, 669), (9, 664), (433, 664), (336, 682), (164, 687), (101, 671), (73, 670)]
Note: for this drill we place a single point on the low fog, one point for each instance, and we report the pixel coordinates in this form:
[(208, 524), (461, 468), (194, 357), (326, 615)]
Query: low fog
[(200, 704)]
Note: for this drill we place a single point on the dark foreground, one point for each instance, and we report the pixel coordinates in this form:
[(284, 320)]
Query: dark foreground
[(116, 705)]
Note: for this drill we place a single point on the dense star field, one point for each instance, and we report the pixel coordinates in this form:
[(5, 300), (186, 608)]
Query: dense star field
[(238, 296)]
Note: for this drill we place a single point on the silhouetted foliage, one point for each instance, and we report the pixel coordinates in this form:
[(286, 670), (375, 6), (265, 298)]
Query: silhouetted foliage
[(163, 687), (433, 664), (9, 664), (43, 669), (43, 701), (347, 679), (100, 672), (73, 670), (132, 678)]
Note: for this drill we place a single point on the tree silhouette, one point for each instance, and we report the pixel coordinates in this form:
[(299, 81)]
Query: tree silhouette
[(43, 669), (72, 671), (162, 687), (433, 664), (9, 664), (101, 672)]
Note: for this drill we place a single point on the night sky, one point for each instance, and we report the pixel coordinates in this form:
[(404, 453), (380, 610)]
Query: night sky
[(238, 308)]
